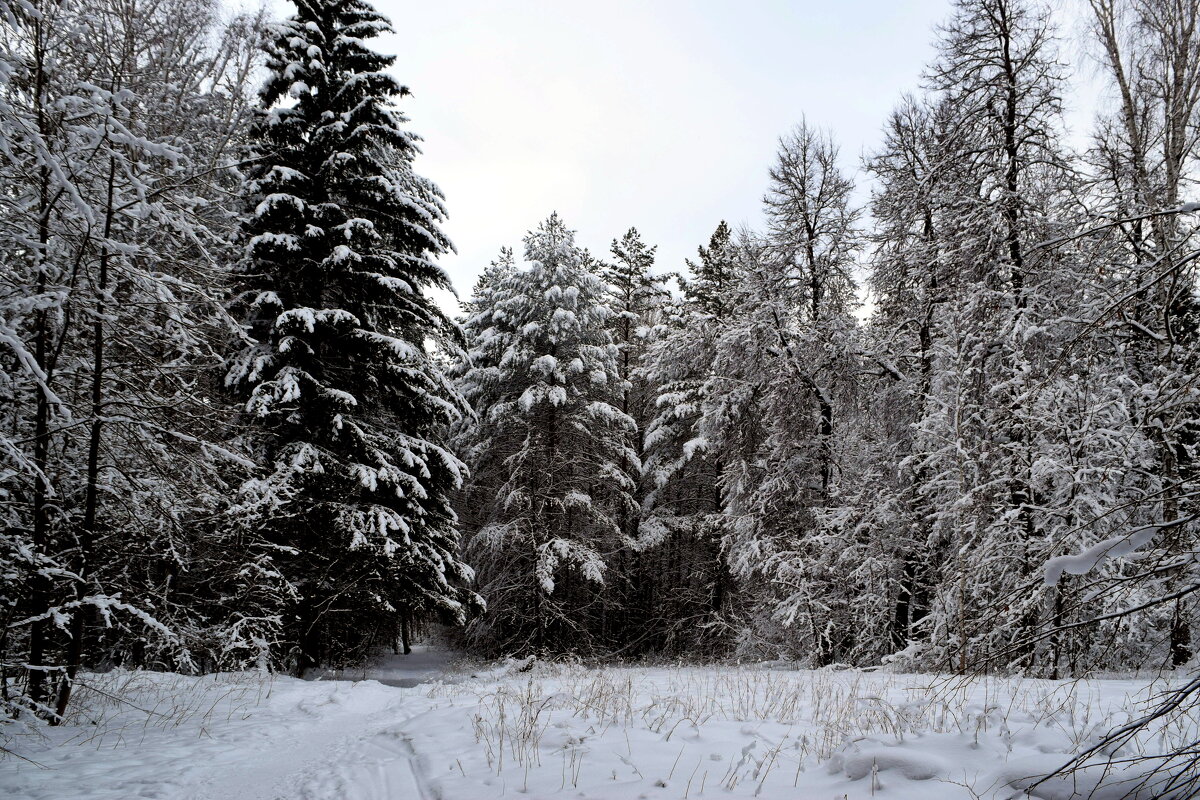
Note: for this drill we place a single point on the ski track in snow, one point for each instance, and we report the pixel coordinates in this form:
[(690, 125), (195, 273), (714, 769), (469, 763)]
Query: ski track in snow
[(380, 765)]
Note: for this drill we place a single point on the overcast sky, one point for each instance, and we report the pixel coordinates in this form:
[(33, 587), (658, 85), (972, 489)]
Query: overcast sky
[(659, 114)]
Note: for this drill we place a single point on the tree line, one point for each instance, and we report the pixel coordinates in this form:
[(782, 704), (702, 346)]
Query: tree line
[(752, 466)]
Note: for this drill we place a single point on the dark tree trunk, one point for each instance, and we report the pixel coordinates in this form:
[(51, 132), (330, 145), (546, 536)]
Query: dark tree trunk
[(405, 632), (1181, 636), (87, 532), (39, 588)]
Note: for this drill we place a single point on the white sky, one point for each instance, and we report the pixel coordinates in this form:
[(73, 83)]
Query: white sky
[(659, 114)]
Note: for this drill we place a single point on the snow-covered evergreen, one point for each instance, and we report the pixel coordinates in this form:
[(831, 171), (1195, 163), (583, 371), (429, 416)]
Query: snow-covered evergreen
[(348, 409), (683, 530), (551, 452)]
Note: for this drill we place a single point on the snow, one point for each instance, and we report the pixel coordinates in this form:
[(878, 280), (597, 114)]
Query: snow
[(1085, 562), (422, 727)]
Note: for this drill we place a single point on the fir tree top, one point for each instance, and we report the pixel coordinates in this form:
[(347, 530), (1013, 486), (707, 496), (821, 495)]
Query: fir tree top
[(334, 179), (714, 275)]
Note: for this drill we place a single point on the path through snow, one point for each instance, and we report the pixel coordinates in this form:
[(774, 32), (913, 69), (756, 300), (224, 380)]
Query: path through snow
[(423, 664)]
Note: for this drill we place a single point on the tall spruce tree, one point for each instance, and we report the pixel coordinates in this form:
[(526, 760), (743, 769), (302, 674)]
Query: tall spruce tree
[(350, 408), (551, 452)]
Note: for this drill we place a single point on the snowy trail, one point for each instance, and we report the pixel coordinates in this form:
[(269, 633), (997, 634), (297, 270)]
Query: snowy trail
[(382, 765), (373, 757), (425, 663)]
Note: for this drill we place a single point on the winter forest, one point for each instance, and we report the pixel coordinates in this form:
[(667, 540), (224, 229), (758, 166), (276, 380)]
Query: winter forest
[(947, 424)]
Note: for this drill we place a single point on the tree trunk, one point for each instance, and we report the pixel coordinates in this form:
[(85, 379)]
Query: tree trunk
[(39, 584), (405, 633), (87, 533)]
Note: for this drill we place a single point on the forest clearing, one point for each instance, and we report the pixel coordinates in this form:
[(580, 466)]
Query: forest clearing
[(525, 729)]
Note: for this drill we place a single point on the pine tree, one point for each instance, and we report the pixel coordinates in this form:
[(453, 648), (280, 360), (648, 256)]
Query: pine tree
[(350, 410), (550, 453), (687, 592), (714, 275), (637, 299), (496, 270)]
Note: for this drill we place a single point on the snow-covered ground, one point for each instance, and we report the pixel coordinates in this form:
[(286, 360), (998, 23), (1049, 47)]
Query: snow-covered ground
[(554, 731)]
